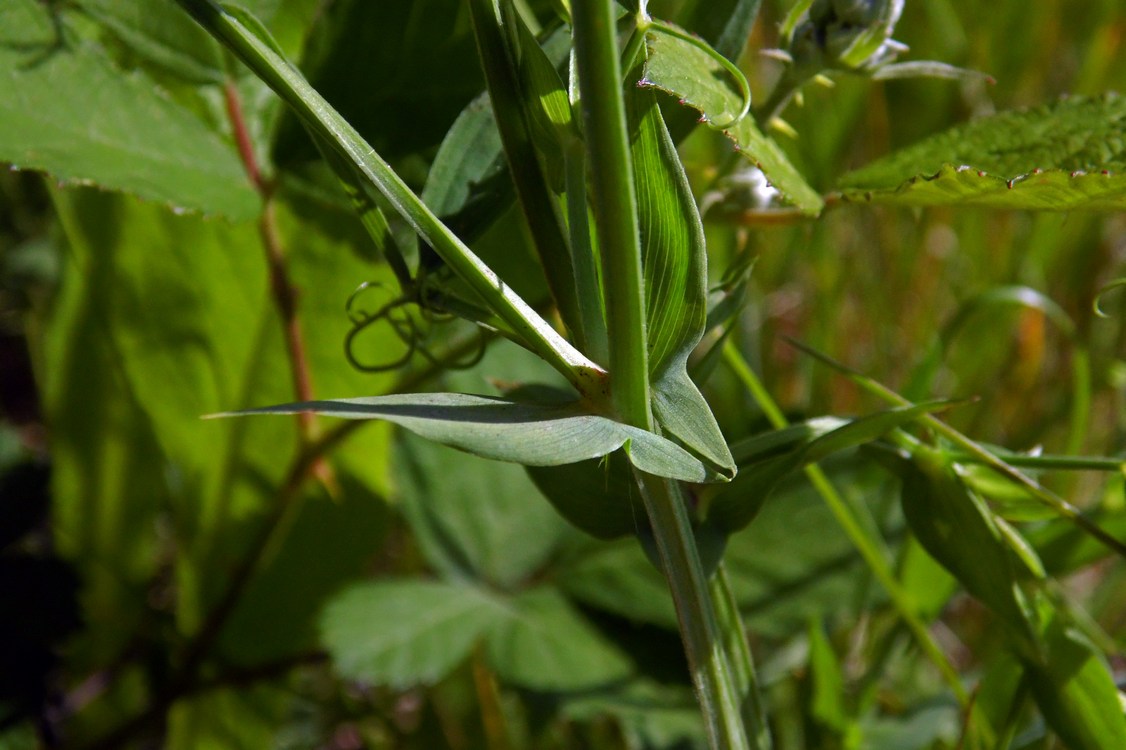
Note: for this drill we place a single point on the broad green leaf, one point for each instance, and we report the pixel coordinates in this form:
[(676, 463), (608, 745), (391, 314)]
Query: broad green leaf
[(599, 496), (183, 305), (695, 78), (674, 262), (956, 528), (399, 71), (473, 519), (928, 724), (534, 434), (652, 714), (405, 633), (1065, 156), (546, 645), (161, 33), (275, 615), (619, 578), (1075, 691), (107, 481), (65, 110)]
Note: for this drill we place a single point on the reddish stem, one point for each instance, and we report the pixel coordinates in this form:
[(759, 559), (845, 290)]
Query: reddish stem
[(283, 292)]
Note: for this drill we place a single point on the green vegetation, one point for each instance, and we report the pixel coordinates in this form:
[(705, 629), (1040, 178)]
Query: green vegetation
[(727, 374)]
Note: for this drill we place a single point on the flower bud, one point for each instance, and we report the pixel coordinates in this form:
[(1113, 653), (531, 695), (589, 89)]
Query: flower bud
[(846, 35)]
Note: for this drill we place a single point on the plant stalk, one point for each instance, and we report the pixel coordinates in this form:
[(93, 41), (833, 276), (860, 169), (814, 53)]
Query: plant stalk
[(615, 206), (619, 241), (714, 677)]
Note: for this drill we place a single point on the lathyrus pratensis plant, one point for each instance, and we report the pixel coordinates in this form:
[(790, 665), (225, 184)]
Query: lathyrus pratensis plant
[(589, 139), (631, 446)]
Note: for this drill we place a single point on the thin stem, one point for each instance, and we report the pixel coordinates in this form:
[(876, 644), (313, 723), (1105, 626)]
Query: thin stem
[(982, 455), (712, 674), (281, 289), (868, 548), (488, 698), (742, 662), (615, 206), (1048, 462), (617, 228)]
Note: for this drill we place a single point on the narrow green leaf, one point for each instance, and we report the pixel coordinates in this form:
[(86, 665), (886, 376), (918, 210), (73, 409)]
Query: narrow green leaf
[(773, 442), (827, 703), (405, 633), (470, 155), (545, 644), (1009, 499), (956, 528), (1076, 692), (66, 110), (326, 122), (533, 434), (673, 253), (1065, 156), (693, 76), (868, 428), (674, 262), (771, 457), (514, 67)]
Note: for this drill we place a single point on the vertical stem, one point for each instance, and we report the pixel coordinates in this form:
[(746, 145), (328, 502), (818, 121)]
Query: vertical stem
[(488, 698), (619, 242), (707, 655), (742, 662), (615, 206), (281, 289)]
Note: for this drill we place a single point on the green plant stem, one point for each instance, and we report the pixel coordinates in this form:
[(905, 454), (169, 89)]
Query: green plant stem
[(708, 661), (619, 242), (1049, 462), (868, 548), (319, 116), (980, 454), (741, 660), (615, 207)]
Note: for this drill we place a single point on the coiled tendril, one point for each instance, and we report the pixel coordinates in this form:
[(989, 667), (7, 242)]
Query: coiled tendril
[(396, 314)]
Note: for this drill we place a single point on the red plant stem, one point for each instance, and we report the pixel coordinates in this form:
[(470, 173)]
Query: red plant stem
[(283, 292)]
